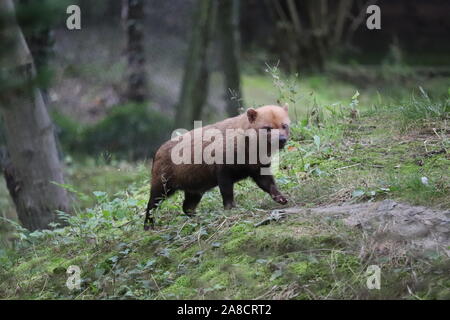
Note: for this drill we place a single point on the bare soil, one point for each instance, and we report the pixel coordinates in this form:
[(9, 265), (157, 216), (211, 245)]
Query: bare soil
[(392, 224)]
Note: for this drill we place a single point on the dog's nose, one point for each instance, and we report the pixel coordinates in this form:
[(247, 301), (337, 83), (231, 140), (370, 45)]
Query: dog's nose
[(282, 140)]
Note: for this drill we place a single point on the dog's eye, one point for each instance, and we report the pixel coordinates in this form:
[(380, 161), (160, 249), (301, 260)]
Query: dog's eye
[(284, 126)]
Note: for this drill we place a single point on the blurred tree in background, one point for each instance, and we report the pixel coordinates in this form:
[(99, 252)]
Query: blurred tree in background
[(194, 91), (133, 13), (34, 170), (39, 35), (311, 31), (228, 21)]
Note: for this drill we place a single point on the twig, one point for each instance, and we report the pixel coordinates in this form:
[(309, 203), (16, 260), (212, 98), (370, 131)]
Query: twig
[(275, 215), (45, 284), (346, 167), (81, 293), (217, 229), (178, 232), (265, 294), (157, 286), (411, 293), (128, 222)]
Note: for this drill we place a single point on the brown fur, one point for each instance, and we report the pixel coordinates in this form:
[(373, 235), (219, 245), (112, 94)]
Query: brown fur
[(196, 179)]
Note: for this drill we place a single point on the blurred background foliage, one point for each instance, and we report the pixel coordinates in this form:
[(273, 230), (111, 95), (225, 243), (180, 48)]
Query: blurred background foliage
[(130, 132), (89, 65), (83, 74)]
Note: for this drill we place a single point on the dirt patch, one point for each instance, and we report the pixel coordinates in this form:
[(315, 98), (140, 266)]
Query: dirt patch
[(419, 228)]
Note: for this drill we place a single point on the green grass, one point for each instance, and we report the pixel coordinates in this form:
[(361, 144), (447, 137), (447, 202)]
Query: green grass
[(303, 93), (216, 255), (334, 156), (110, 177)]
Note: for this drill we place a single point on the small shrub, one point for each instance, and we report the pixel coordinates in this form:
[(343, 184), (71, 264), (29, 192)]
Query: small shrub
[(69, 132), (129, 132)]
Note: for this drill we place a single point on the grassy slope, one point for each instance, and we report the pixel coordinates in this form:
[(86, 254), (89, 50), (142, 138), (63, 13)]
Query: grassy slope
[(221, 254)]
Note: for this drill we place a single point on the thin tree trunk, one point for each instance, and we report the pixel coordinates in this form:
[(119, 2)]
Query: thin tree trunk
[(34, 165), (313, 29), (228, 16), (41, 42), (343, 11), (358, 20), (194, 91), (317, 10), (133, 15)]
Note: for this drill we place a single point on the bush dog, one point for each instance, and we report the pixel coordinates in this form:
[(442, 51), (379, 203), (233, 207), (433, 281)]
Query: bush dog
[(220, 154)]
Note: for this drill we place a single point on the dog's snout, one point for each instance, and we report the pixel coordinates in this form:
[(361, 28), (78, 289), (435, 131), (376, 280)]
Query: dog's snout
[(283, 140)]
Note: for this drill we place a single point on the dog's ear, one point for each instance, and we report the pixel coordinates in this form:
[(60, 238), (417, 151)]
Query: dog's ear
[(252, 114), (286, 107)]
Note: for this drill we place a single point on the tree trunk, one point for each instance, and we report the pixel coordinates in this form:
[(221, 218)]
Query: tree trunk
[(194, 91), (342, 14), (40, 39), (34, 165), (133, 15), (228, 18), (317, 47), (312, 30)]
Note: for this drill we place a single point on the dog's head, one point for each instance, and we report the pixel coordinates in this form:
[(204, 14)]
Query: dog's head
[(271, 121)]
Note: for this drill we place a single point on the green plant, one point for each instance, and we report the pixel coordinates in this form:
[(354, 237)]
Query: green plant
[(69, 132), (424, 108), (129, 132)]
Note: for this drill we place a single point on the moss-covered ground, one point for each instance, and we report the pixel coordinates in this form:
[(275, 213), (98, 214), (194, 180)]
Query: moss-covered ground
[(336, 155)]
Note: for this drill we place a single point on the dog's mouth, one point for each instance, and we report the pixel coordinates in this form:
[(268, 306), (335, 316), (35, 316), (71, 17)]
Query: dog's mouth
[(282, 144)]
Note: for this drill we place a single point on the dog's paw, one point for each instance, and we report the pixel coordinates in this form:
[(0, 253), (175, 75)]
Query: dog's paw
[(280, 199), (229, 205)]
